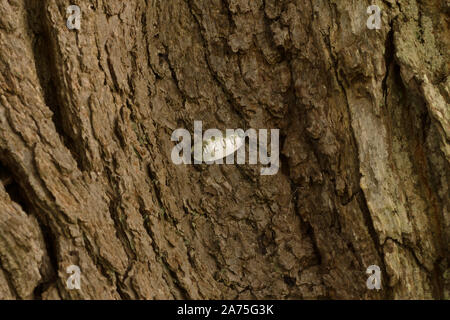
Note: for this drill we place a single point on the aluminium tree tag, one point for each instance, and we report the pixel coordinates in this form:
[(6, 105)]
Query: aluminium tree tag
[(216, 148)]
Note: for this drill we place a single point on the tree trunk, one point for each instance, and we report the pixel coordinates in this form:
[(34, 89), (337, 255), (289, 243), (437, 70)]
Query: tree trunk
[(86, 176)]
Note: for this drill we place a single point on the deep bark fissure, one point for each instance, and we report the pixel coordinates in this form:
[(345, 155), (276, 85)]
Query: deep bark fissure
[(19, 195), (362, 202), (44, 57), (170, 272), (232, 101), (51, 246), (9, 281)]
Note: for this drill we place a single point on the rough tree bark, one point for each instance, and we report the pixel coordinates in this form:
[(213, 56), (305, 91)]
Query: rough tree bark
[(87, 179)]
